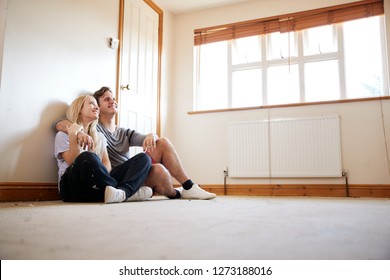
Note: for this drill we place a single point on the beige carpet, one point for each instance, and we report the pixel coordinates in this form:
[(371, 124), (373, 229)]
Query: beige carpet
[(229, 227)]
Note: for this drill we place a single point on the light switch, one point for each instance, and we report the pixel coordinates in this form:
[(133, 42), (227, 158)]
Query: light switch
[(114, 43)]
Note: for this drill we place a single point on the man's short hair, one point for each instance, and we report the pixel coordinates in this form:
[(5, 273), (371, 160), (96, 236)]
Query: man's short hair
[(99, 93)]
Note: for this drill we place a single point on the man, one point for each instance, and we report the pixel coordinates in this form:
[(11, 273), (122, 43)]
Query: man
[(165, 160)]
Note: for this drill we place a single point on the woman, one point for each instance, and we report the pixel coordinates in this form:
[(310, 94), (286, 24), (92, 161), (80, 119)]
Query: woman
[(84, 174)]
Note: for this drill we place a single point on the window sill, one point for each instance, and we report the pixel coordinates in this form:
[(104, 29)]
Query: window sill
[(289, 105)]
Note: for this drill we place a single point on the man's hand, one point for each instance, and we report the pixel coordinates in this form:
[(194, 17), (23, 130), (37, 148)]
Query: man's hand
[(74, 129), (85, 141), (150, 142)]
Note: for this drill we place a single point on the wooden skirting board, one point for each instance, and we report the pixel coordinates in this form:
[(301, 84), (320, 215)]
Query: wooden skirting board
[(320, 190), (23, 191)]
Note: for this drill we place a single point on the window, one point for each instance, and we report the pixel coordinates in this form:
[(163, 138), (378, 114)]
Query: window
[(319, 63)]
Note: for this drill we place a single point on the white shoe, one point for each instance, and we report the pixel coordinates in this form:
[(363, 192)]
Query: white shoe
[(143, 193), (197, 193), (113, 195), (180, 190)]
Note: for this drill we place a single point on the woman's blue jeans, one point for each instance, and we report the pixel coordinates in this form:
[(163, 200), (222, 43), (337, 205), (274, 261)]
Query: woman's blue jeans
[(85, 180)]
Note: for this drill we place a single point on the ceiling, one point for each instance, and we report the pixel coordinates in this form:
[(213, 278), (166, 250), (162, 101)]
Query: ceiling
[(185, 6)]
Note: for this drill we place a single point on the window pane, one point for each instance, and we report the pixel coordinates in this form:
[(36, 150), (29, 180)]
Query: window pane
[(281, 45), (247, 88), (322, 81), (363, 58), (211, 78), (246, 50), (314, 73), (283, 85), (320, 40)]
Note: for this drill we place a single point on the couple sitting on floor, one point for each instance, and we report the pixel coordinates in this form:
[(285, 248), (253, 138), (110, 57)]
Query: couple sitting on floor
[(94, 162)]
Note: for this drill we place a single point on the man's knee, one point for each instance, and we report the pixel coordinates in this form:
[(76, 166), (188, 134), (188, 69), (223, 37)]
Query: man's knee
[(164, 143)]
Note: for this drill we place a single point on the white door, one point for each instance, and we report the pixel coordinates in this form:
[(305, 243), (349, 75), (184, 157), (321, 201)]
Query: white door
[(139, 68)]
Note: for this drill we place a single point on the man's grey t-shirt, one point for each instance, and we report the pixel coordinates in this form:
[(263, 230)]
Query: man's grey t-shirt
[(119, 143)]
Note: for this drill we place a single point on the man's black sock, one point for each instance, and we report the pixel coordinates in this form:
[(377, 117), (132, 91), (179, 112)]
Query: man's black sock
[(187, 184), (178, 195)]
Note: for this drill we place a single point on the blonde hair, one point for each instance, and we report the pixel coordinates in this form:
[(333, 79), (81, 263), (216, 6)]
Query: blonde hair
[(74, 115)]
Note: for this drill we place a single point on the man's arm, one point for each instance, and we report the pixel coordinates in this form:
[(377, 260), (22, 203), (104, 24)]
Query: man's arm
[(62, 125), (83, 138)]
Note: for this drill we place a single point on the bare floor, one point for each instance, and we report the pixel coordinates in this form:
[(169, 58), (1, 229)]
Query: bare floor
[(228, 227)]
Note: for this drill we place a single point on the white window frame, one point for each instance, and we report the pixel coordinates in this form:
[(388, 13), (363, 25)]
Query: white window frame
[(300, 60)]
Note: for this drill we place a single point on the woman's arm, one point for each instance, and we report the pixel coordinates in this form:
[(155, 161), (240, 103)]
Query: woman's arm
[(106, 160), (74, 148), (83, 138)]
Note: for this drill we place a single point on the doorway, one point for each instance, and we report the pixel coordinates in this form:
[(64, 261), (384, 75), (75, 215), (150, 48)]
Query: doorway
[(139, 67)]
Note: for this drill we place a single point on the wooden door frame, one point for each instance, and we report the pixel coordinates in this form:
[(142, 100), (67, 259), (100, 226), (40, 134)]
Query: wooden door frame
[(160, 13)]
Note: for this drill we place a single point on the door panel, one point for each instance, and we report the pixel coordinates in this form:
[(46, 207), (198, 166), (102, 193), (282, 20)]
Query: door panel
[(139, 68)]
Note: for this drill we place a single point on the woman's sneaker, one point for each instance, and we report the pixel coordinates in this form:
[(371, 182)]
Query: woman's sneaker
[(113, 195), (144, 193), (197, 193)]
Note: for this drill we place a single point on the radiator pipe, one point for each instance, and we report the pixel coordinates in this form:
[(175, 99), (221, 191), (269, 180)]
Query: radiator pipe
[(345, 174), (224, 185), (225, 175)]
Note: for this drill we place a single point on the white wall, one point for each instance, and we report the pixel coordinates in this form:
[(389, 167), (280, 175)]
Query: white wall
[(166, 70), (201, 139), (54, 50), (3, 8)]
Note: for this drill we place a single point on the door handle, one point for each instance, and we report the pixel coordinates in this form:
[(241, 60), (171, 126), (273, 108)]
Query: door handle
[(125, 87)]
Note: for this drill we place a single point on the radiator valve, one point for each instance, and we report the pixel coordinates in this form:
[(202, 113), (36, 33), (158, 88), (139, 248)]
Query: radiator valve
[(225, 171)]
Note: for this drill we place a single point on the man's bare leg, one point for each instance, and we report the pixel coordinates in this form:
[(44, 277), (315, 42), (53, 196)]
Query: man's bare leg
[(160, 180), (166, 154)]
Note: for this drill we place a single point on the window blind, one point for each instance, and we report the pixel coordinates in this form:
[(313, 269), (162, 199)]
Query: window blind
[(290, 22)]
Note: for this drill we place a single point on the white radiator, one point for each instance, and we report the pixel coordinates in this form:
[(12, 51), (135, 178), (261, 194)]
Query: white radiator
[(304, 147)]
